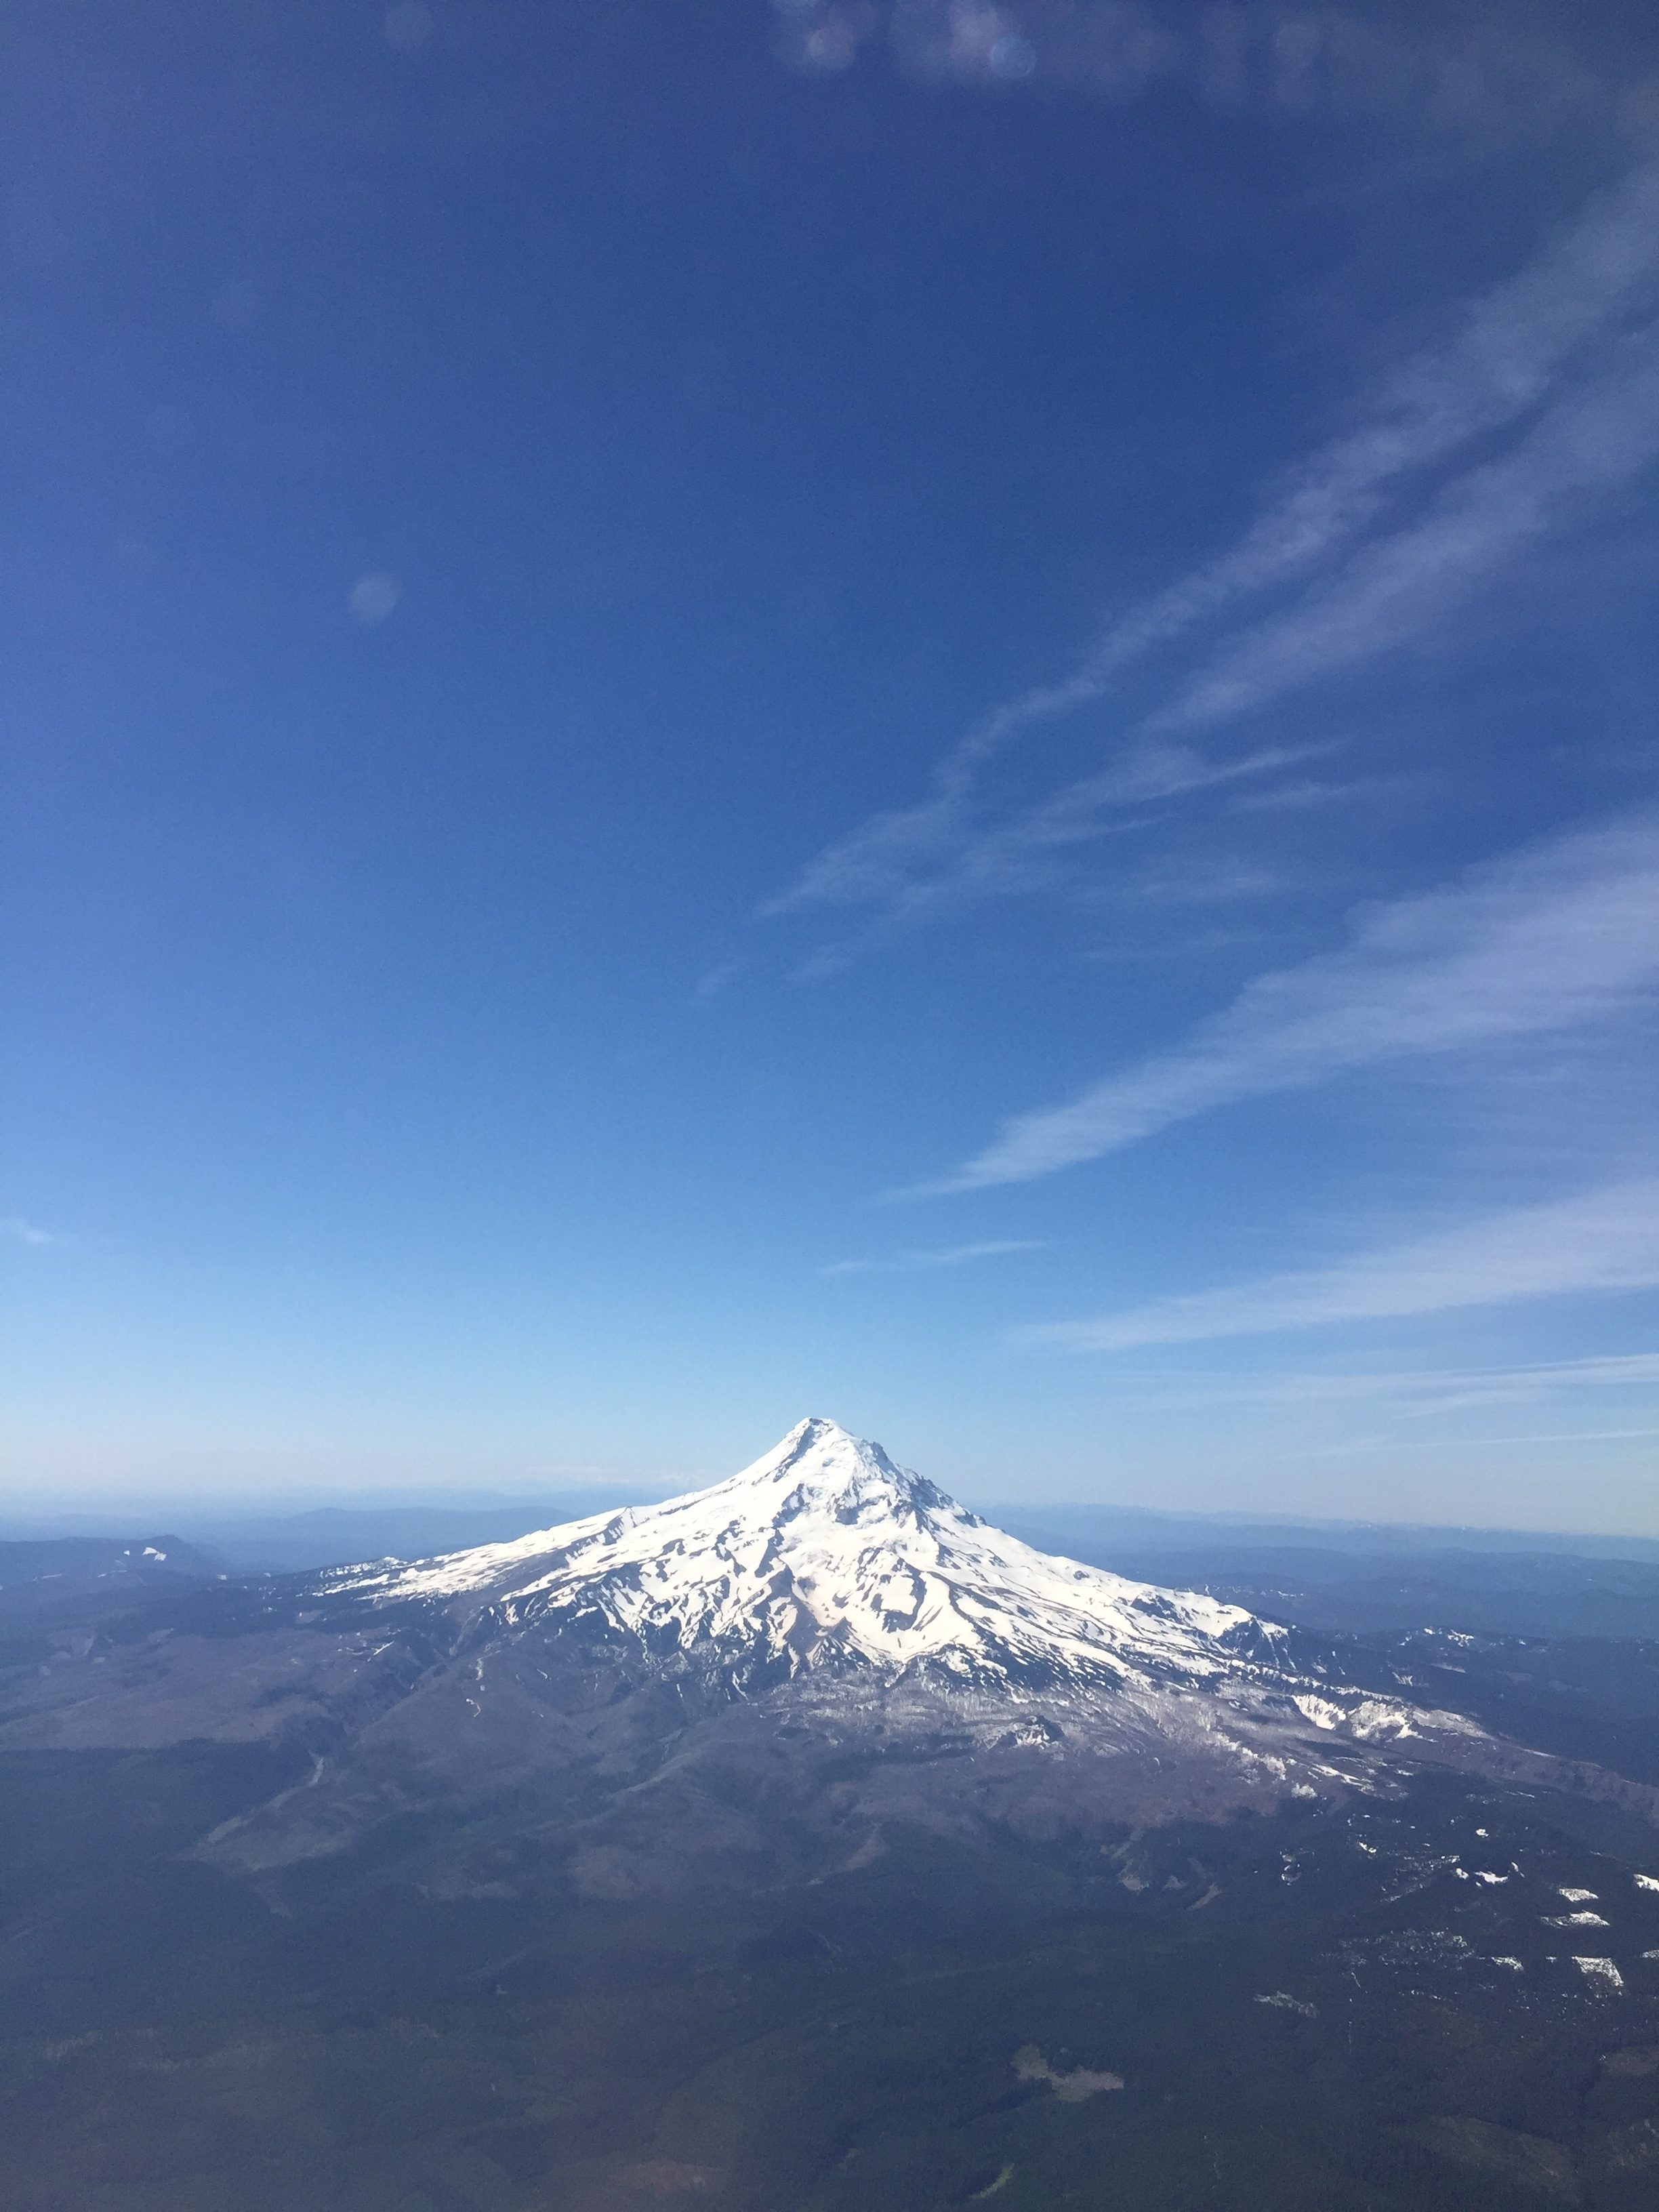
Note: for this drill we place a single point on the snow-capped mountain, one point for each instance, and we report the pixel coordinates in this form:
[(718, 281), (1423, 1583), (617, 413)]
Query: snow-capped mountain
[(751, 1680), (824, 1553)]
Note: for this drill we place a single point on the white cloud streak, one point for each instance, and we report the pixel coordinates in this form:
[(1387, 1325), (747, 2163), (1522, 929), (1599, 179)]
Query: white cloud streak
[(1429, 1391), (1551, 1437), (1586, 444), (1020, 855), (955, 1255), (1598, 1241), (1557, 937), (1544, 332), (710, 984), (25, 1232), (1509, 355)]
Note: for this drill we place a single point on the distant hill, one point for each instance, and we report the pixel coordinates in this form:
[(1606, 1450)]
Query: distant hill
[(42, 1572)]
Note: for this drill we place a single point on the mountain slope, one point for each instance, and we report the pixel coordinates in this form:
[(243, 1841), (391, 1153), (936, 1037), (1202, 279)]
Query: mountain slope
[(824, 1553), (749, 1683)]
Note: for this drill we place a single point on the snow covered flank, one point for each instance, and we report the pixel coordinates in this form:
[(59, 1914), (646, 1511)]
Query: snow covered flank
[(824, 1551)]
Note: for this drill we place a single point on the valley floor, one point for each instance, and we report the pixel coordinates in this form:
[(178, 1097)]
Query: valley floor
[(1327, 2010)]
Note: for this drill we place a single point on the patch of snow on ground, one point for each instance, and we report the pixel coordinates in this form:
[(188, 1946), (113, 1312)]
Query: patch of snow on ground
[(1601, 1969), (1320, 1710), (1072, 2089)]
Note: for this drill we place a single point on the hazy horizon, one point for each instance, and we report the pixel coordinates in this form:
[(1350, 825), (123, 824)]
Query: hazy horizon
[(141, 1508)]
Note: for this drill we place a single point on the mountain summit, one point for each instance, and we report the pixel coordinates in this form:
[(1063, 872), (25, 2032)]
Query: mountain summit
[(746, 1683), (825, 1553)]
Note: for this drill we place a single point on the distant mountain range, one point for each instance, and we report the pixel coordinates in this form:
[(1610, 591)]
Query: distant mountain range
[(1566, 1572)]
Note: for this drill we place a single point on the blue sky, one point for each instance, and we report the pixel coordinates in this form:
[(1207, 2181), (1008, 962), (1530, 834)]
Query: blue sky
[(942, 714)]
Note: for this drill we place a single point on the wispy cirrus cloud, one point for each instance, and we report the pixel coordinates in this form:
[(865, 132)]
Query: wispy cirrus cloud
[(1587, 443), (953, 1255), (1020, 855), (1420, 1393), (1509, 355), (25, 1232), (1599, 1240), (714, 980), (1555, 937), (1551, 1437), (1567, 351)]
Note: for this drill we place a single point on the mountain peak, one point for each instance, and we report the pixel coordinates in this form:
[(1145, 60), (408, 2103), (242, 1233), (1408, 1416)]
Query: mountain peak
[(821, 1467), (814, 1438), (823, 1553)]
